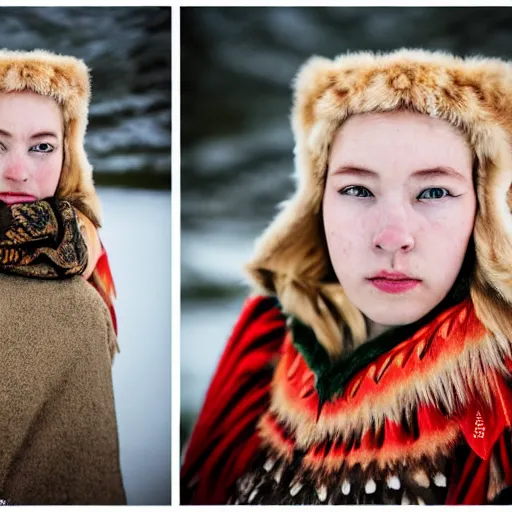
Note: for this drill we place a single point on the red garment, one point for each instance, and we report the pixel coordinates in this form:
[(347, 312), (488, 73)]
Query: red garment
[(103, 282), (262, 400)]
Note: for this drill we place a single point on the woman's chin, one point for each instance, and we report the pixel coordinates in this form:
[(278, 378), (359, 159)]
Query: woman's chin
[(386, 317)]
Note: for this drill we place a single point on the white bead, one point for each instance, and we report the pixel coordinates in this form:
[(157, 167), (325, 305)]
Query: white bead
[(278, 475), (393, 482), (296, 488), (269, 464), (253, 495), (370, 486), (322, 493), (440, 480), (345, 488)]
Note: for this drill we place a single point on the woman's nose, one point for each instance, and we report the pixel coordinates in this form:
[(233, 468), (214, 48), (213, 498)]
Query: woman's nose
[(14, 169), (394, 235)]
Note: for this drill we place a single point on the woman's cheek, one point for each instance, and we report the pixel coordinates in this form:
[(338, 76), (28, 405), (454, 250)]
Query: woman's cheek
[(48, 176)]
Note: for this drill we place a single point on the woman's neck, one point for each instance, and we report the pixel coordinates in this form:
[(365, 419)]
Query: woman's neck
[(374, 329)]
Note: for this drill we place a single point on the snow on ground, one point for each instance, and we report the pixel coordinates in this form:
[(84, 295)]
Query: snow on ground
[(137, 236)]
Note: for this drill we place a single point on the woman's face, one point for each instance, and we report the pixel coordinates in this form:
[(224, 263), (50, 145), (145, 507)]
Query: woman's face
[(31, 146), (398, 211)]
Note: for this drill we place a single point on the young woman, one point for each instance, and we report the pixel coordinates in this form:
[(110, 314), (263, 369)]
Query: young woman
[(59, 440), (373, 364)]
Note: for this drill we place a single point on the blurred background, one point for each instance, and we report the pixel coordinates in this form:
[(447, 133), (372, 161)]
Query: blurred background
[(128, 50), (237, 162)]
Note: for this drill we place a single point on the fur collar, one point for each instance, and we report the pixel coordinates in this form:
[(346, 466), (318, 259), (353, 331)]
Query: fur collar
[(444, 364)]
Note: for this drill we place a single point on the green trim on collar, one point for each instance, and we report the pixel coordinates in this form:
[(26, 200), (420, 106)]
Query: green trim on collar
[(331, 377)]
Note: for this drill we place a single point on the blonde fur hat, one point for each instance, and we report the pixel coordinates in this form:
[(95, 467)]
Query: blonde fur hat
[(473, 94), (66, 80)]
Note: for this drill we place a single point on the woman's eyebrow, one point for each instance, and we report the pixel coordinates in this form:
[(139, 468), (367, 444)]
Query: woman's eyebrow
[(423, 174), (352, 170), (38, 135), (438, 172)]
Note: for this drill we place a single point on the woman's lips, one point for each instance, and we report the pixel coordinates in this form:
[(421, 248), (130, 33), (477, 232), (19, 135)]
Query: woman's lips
[(11, 198), (394, 285)]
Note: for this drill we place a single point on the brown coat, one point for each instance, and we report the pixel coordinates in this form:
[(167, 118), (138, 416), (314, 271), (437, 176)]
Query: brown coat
[(58, 431)]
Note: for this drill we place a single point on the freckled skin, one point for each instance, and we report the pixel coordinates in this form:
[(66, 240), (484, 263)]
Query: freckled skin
[(24, 167), (395, 220)]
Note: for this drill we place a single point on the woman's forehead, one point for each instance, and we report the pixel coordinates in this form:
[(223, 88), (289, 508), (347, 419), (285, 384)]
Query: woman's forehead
[(399, 142), (25, 113)]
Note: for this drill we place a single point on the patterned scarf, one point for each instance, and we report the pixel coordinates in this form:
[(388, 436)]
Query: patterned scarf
[(41, 239)]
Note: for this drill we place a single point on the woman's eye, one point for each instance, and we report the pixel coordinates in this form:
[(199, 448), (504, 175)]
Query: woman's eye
[(355, 191), (43, 147), (434, 193)]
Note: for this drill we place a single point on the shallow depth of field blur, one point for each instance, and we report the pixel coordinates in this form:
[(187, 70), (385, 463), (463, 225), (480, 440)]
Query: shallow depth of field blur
[(128, 50), (237, 160)]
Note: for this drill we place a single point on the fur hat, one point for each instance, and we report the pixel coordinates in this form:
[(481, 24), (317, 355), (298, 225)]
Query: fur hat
[(66, 80), (473, 94)]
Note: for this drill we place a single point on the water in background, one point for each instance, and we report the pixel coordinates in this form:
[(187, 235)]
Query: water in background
[(237, 161), (137, 236)]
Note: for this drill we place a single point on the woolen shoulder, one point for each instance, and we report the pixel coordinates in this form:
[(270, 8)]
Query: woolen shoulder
[(60, 320), (59, 435)]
